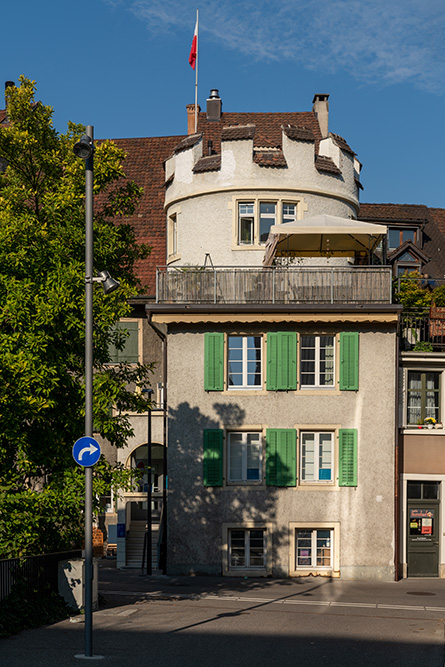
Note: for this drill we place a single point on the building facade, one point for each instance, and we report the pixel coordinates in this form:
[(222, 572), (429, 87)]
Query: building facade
[(280, 447)]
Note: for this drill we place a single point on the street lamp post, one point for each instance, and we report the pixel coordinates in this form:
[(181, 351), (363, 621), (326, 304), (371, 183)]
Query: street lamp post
[(89, 164), (149, 540), (84, 149)]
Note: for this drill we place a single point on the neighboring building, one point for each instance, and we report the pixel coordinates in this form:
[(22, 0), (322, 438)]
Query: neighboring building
[(415, 239), (415, 242)]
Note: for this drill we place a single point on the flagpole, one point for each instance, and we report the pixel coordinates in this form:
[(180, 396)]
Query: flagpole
[(196, 73)]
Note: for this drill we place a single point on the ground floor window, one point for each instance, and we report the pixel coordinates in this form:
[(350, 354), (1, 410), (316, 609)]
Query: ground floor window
[(314, 548), (247, 548)]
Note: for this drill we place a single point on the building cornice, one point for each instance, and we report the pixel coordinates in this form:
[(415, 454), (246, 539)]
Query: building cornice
[(256, 187)]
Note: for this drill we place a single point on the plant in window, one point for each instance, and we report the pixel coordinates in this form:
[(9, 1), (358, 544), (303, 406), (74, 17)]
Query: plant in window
[(430, 420), (422, 346)]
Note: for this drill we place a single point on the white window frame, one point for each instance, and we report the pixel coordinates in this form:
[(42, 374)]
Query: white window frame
[(317, 362), (314, 549), (407, 392), (246, 216), (333, 570), (277, 218), (172, 236), (241, 571), (286, 217), (244, 456), (317, 454), (244, 362)]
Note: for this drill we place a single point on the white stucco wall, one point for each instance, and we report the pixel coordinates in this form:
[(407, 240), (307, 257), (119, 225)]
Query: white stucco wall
[(205, 203)]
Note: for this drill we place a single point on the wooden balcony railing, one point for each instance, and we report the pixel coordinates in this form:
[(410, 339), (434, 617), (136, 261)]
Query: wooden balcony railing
[(243, 285)]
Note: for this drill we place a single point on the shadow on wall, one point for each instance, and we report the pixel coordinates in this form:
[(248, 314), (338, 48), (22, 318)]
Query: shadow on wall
[(196, 512)]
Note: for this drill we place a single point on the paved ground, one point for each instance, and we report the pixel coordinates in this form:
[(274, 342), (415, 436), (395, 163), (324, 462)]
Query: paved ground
[(211, 621)]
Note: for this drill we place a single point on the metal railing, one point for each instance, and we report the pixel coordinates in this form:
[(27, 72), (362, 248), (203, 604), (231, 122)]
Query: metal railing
[(420, 332), (242, 285), (39, 574)]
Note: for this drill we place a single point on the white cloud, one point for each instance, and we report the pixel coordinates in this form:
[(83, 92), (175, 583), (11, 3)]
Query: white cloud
[(379, 41)]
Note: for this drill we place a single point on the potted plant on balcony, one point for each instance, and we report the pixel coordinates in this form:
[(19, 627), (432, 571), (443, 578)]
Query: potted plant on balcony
[(430, 422)]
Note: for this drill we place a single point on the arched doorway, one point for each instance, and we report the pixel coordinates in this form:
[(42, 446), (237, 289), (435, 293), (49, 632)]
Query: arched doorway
[(139, 459), (136, 503)]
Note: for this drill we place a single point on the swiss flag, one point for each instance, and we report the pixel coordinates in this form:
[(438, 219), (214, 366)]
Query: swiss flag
[(192, 56)]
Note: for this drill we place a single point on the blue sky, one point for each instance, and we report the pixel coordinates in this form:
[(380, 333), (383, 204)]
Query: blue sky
[(122, 66)]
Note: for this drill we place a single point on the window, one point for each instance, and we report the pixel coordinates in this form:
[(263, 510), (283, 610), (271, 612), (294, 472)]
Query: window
[(172, 235), (317, 361), (423, 490), (314, 548), (244, 362), (126, 348), (247, 548), (246, 223), (289, 213), (244, 459), (241, 361), (398, 236), (423, 396), (316, 457), (267, 219), (255, 218)]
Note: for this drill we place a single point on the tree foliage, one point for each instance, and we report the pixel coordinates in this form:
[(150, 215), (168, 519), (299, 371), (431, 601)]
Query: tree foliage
[(412, 292), (42, 305)]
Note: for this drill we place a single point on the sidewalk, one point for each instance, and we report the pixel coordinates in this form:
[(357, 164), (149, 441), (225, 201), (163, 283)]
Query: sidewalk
[(128, 585)]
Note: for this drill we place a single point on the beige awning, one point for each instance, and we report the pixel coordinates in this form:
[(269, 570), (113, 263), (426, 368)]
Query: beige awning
[(322, 235)]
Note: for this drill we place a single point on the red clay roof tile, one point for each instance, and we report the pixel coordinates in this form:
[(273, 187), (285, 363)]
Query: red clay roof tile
[(324, 163), (299, 133), (208, 163), (270, 158), (237, 132)]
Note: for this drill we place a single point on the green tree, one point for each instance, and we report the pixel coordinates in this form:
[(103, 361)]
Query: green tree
[(42, 227), (408, 291)]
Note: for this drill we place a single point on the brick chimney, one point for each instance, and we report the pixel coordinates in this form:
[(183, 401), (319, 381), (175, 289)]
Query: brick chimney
[(320, 106), (191, 118)]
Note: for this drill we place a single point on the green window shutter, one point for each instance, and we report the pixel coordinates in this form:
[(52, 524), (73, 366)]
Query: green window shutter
[(281, 446), (213, 457), (281, 361), (130, 351), (349, 361), (347, 457), (214, 362)]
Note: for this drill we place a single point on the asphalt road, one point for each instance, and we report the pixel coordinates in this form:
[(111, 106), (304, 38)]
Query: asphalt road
[(260, 628)]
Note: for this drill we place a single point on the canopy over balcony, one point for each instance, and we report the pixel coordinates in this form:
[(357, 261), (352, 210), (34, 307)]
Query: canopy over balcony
[(322, 235)]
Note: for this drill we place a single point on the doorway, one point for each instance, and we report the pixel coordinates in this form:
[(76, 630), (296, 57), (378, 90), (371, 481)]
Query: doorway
[(423, 529)]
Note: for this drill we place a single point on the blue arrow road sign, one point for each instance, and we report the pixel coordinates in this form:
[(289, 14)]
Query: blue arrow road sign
[(86, 451)]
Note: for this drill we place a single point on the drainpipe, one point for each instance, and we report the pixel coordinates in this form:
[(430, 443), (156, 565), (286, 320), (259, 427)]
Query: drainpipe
[(397, 461), (163, 338)]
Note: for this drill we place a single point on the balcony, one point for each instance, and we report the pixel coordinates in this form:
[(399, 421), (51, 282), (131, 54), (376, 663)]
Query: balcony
[(274, 285), (423, 331)]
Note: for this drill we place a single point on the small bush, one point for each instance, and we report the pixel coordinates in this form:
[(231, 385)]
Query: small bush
[(24, 609), (439, 296)]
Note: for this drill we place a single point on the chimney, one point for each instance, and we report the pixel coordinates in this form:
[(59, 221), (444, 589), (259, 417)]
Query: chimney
[(320, 106), (214, 106), (191, 118), (8, 84)]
